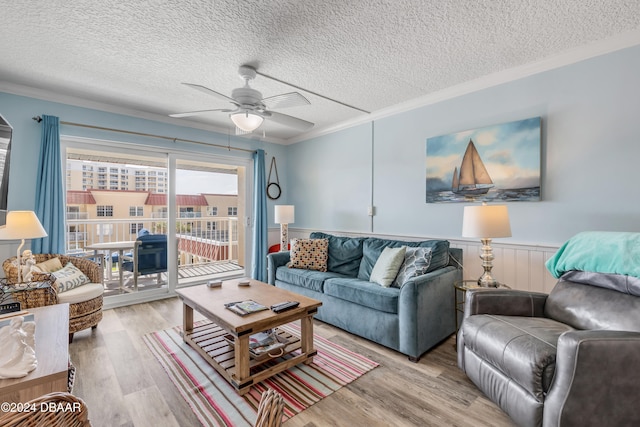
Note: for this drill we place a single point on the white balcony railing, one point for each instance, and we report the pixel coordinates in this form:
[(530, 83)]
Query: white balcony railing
[(200, 238)]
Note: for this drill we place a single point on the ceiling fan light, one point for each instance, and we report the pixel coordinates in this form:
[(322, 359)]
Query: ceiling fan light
[(246, 121)]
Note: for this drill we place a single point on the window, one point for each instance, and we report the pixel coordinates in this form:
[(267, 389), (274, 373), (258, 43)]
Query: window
[(136, 211), (134, 228), (104, 210), (232, 211), (212, 210)]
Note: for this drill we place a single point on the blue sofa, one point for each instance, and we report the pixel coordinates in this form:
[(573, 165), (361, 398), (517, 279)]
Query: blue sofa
[(411, 319)]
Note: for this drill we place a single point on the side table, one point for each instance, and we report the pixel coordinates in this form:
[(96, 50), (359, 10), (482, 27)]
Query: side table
[(52, 352), (461, 289), (29, 295)]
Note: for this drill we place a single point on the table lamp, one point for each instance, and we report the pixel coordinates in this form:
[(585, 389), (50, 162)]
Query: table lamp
[(22, 225), (486, 222), (285, 215)]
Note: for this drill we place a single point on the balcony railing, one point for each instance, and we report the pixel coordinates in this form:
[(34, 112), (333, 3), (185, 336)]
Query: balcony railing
[(200, 238), (156, 215), (77, 215)]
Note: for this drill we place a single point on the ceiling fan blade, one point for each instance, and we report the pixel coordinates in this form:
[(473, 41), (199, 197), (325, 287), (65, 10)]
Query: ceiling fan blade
[(286, 100), (197, 113), (210, 92), (287, 120)]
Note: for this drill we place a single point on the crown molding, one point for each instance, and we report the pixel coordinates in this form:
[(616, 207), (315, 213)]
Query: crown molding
[(562, 59), (47, 95)]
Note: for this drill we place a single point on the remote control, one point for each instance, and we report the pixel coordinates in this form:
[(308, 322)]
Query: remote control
[(277, 308)]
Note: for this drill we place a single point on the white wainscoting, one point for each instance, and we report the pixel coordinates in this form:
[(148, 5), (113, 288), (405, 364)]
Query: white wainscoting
[(518, 266)]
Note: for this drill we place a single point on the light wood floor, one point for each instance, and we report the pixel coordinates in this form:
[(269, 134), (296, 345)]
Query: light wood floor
[(124, 385)]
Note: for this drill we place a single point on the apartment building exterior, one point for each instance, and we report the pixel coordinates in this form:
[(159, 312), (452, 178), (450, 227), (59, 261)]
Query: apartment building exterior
[(108, 203)]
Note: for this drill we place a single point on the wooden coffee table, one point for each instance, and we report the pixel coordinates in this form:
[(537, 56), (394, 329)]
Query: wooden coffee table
[(233, 361)]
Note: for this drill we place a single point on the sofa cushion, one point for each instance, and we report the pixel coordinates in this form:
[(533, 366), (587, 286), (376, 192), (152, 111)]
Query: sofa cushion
[(345, 253), (523, 348), (416, 263), (81, 294), (364, 293), (373, 247), (310, 254), (387, 266), (309, 279)]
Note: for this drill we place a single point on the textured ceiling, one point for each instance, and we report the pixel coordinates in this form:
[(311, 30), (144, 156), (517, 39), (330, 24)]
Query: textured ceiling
[(371, 54)]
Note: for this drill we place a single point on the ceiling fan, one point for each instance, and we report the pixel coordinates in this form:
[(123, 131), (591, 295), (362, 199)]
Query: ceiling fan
[(250, 109)]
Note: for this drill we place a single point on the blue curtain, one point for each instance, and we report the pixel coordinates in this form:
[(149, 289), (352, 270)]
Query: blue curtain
[(259, 265), (50, 200)]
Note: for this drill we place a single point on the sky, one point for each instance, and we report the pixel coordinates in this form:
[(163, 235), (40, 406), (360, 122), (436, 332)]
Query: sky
[(199, 182), (509, 151)]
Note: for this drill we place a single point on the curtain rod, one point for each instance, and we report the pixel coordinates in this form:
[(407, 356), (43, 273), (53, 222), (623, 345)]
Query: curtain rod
[(228, 147)]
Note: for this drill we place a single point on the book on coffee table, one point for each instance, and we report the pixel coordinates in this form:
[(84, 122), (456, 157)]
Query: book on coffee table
[(245, 307)]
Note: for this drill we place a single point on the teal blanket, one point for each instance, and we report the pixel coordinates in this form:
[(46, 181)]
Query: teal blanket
[(600, 252)]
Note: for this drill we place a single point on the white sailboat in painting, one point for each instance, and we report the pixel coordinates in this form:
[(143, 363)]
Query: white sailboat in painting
[(473, 178)]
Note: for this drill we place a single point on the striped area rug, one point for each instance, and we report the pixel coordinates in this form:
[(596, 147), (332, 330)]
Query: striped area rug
[(216, 403)]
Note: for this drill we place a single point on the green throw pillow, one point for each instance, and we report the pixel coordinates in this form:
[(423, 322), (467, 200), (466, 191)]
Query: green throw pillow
[(386, 268)]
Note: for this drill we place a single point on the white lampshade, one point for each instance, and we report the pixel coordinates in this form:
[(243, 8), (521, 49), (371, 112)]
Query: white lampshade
[(285, 214), (486, 221), (246, 121), (22, 225)]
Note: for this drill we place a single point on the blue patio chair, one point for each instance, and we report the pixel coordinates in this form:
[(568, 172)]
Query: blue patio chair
[(149, 257)]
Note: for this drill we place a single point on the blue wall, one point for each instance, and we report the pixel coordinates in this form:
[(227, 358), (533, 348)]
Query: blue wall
[(590, 149), (590, 154)]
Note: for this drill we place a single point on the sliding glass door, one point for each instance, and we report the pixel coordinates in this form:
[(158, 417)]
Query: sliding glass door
[(210, 225), (113, 200), (174, 219)]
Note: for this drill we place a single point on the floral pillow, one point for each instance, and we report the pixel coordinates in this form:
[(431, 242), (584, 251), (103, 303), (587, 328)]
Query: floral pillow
[(69, 277), (416, 263), (310, 254)]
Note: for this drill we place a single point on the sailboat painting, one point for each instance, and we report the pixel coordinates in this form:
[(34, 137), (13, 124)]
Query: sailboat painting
[(494, 163)]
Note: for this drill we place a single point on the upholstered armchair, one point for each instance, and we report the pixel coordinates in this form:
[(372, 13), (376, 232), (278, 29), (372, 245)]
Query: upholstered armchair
[(85, 302), (565, 359)]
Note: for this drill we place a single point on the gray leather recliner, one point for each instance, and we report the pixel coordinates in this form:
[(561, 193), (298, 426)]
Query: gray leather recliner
[(570, 358)]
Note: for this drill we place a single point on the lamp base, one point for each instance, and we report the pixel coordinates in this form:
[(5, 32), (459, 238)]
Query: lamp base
[(19, 261), (487, 280), (284, 237)]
